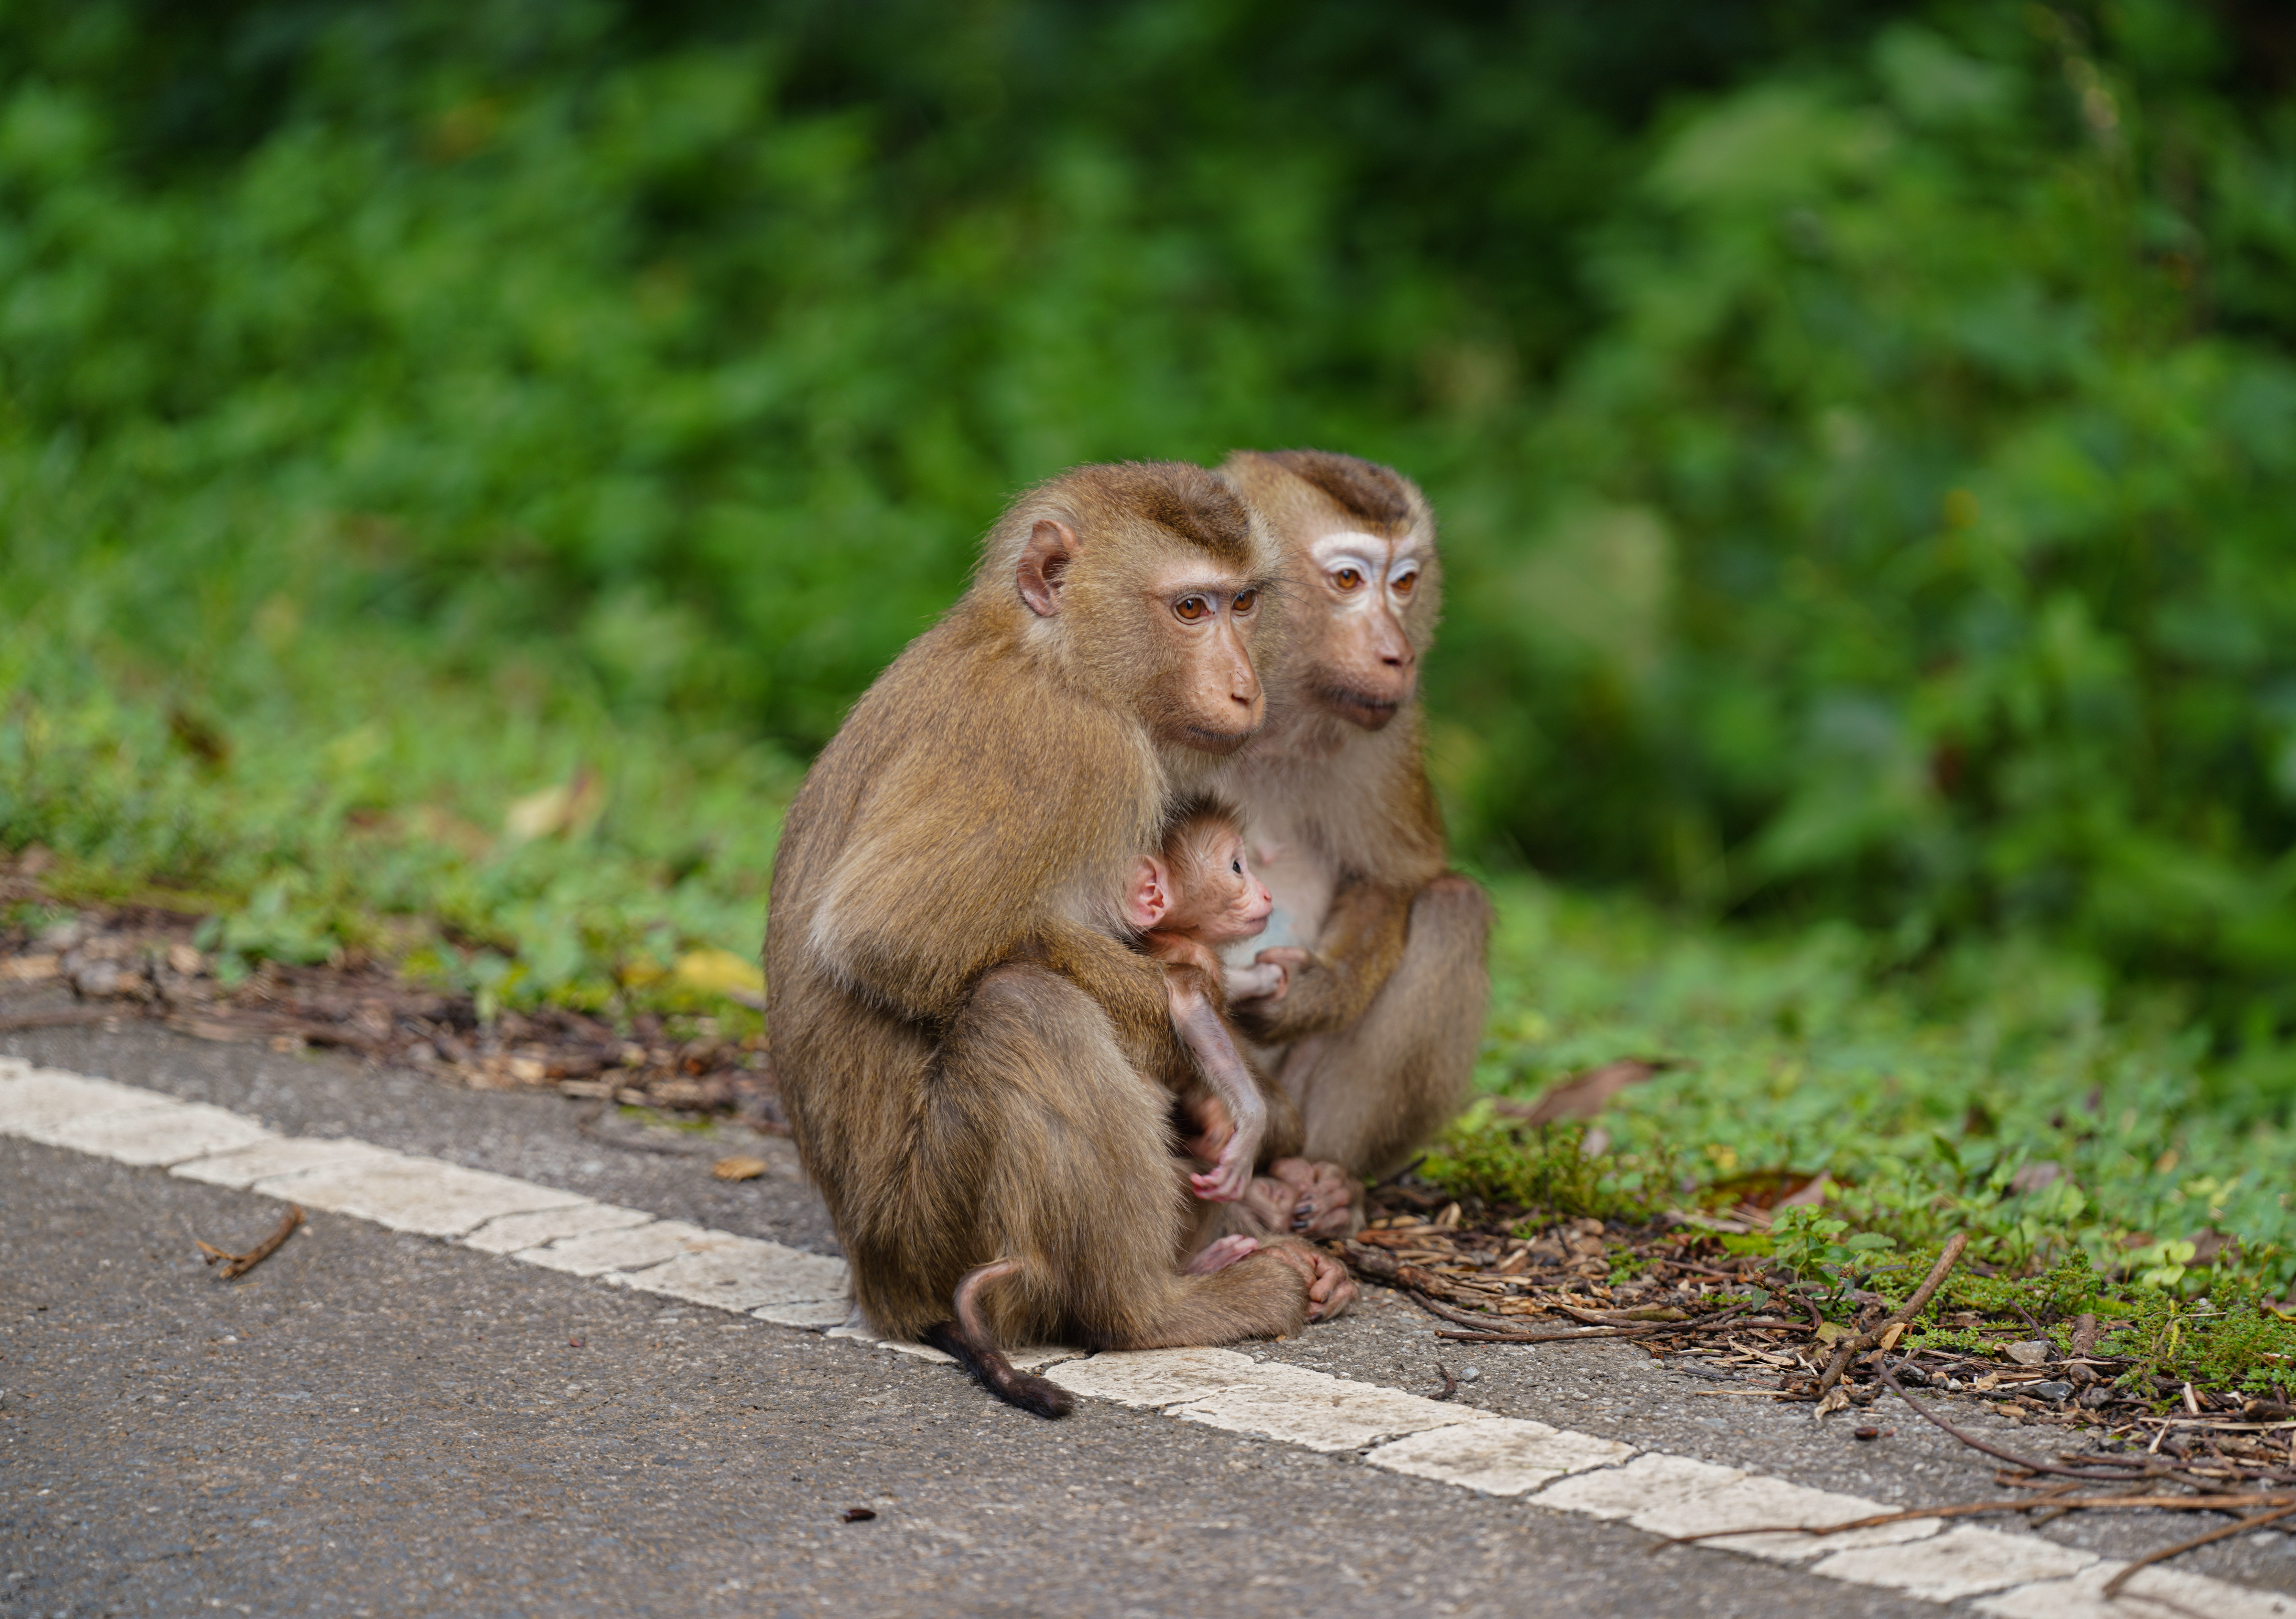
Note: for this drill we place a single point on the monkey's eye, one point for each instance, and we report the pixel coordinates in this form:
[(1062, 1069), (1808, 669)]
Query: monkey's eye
[(1192, 608), (1246, 600), (1404, 584), (1347, 578), (1236, 866)]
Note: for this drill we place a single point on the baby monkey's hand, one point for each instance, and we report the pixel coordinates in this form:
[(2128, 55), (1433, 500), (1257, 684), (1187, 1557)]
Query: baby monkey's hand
[(1268, 976)]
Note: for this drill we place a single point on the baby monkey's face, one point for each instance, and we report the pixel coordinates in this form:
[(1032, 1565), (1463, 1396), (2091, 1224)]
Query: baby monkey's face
[(1228, 901), (1205, 889)]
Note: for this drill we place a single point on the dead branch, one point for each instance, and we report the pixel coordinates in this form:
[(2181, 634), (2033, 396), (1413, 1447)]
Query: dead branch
[(1975, 1444), (587, 1126), (2224, 1532), (1487, 1331)]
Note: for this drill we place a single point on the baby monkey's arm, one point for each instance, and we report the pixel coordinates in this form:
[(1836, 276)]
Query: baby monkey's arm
[(1196, 1019)]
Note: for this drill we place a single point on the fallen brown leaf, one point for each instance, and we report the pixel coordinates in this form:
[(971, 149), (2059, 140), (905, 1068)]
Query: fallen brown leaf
[(739, 1168), (1583, 1096)]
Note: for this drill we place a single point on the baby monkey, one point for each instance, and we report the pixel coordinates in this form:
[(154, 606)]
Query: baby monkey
[(1193, 896)]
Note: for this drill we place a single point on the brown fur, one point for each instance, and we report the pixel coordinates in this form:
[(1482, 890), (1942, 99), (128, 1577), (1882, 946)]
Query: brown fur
[(1377, 1037), (960, 1033)]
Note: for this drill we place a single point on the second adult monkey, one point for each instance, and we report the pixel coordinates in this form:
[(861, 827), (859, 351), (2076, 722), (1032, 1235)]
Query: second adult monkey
[(1377, 1035)]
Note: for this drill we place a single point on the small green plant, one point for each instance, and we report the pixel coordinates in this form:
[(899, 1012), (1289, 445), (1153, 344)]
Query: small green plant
[(1544, 1167), (1812, 1247)]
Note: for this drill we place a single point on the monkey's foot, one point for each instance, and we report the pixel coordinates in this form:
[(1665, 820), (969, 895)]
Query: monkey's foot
[(1330, 1288), (1324, 1201), (1269, 1203), (1220, 1254)]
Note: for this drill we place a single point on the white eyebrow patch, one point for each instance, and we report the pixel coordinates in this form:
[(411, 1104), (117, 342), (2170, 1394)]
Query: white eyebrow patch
[(1350, 545)]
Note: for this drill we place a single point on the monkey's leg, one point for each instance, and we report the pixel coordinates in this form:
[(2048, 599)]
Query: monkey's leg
[(1380, 1087), (1076, 1183), (1234, 1301), (968, 1341)]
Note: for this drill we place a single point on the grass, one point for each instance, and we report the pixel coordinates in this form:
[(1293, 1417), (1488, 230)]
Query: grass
[(1996, 1091), (502, 829)]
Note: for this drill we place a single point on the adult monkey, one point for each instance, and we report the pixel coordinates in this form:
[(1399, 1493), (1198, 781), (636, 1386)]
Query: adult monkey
[(959, 1033), (1376, 1035)]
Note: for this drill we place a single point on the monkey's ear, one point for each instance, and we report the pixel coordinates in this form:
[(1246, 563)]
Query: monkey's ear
[(1147, 898), (1044, 564)]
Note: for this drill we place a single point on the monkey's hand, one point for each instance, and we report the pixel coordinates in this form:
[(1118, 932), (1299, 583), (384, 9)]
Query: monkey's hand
[(1358, 948), (1265, 982), (1271, 1204), (1213, 1128)]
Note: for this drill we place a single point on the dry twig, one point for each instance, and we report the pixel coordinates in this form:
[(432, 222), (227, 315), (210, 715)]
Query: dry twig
[(586, 1126), (2054, 1503), (236, 1265), (1851, 1348), (2224, 1532), (1975, 1444), (1485, 1332)]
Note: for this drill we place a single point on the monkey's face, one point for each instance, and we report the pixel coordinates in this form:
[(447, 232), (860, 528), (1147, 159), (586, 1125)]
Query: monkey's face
[(1206, 694), (1229, 902), (1165, 628), (1364, 661)]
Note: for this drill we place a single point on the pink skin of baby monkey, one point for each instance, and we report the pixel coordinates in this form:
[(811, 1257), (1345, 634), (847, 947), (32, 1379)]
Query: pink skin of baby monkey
[(1187, 904)]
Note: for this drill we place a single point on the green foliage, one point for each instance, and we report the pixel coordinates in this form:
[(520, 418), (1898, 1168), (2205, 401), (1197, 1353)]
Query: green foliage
[(1921, 556), (1863, 476), (2244, 1345), (1811, 1245), (357, 798), (1545, 1168)]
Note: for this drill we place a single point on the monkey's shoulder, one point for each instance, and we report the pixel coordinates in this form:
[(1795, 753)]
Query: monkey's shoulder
[(986, 734)]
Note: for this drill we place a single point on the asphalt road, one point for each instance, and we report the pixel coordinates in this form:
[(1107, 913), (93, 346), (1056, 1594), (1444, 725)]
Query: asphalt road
[(379, 1424)]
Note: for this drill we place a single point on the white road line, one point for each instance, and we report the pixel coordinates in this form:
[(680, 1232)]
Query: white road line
[(1962, 1563), (2017, 1576)]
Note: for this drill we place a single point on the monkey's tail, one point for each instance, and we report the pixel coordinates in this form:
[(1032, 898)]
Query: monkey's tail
[(968, 1341)]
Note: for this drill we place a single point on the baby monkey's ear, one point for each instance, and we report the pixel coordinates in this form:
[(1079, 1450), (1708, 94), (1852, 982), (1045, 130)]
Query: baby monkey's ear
[(1148, 895)]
